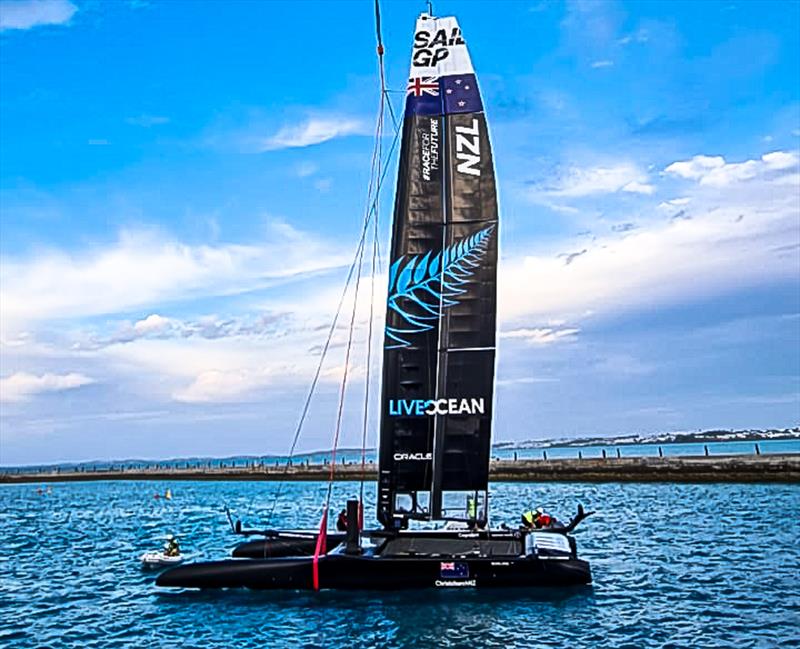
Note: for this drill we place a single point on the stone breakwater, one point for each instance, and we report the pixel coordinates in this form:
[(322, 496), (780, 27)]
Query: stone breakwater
[(783, 468)]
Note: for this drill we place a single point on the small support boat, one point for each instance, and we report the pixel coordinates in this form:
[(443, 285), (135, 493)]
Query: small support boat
[(155, 560)]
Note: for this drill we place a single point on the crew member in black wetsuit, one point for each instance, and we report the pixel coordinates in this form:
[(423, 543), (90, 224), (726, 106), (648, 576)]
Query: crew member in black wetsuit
[(341, 521)]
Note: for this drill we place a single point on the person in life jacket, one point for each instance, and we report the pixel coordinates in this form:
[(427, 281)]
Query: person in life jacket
[(536, 519), (341, 521), (171, 547), (544, 519), (529, 519), (472, 508), (475, 519)]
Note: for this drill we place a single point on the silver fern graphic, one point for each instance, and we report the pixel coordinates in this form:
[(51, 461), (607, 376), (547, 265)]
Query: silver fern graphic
[(424, 282)]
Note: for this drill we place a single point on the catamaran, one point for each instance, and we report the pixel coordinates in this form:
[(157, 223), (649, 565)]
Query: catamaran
[(437, 382)]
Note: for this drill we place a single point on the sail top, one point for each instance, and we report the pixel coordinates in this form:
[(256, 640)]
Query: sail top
[(439, 48)]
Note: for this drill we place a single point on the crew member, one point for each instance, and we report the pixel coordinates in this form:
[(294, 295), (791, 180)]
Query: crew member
[(472, 508), (171, 547), (537, 519), (341, 521), (529, 519), (544, 519)]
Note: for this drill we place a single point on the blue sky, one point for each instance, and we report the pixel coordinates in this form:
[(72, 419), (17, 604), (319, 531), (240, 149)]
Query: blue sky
[(181, 187)]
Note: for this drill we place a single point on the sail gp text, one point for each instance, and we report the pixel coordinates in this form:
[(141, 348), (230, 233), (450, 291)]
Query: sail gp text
[(433, 407), (430, 48)]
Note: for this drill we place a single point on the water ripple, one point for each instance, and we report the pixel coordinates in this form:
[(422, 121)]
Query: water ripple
[(674, 566)]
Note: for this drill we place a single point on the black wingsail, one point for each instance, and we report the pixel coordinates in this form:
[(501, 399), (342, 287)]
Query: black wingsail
[(438, 371)]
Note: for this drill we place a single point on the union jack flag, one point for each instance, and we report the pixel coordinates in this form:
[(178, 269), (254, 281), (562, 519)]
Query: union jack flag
[(419, 86), (448, 566)]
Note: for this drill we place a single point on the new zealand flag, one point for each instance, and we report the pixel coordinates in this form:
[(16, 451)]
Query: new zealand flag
[(454, 569), (461, 94)]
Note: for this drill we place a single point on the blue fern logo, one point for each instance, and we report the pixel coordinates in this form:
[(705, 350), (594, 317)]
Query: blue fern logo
[(419, 284)]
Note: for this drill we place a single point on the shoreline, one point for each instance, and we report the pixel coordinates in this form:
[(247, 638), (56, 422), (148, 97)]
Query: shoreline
[(778, 468)]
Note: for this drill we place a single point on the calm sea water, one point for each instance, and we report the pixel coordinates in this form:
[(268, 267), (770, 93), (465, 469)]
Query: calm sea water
[(674, 566)]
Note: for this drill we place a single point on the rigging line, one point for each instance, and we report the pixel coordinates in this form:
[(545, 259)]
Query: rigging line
[(369, 355), (359, 251), (378, 36), (373, 193), (391, 108), (395, 140), (374, 189), (384, 101), (357, 259), (315, 380), (374, 206), (345, 373), (380, 184), (379, 147)]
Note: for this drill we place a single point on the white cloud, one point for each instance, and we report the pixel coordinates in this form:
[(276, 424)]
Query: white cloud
[(617, 365), (156, 326), (162, 357), (696, 168), (743, 236), (153, 323), (605, 63), (314, 130), (306, 169), (144, 269), (672, 203), (526, 380), (323, 184), (25, 14), (635, 187), (641, 36), (780, 160), (224, 369), (601, 179), (220, 386), (22, 386), (714, 171), (541, 335), (147, 121), (231, 360)]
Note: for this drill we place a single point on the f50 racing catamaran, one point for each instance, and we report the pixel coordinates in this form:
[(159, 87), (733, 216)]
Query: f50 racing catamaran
[(438, 377)]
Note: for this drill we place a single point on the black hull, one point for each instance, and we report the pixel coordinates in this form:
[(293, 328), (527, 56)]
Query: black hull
[(283, 544), (340, 571)]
